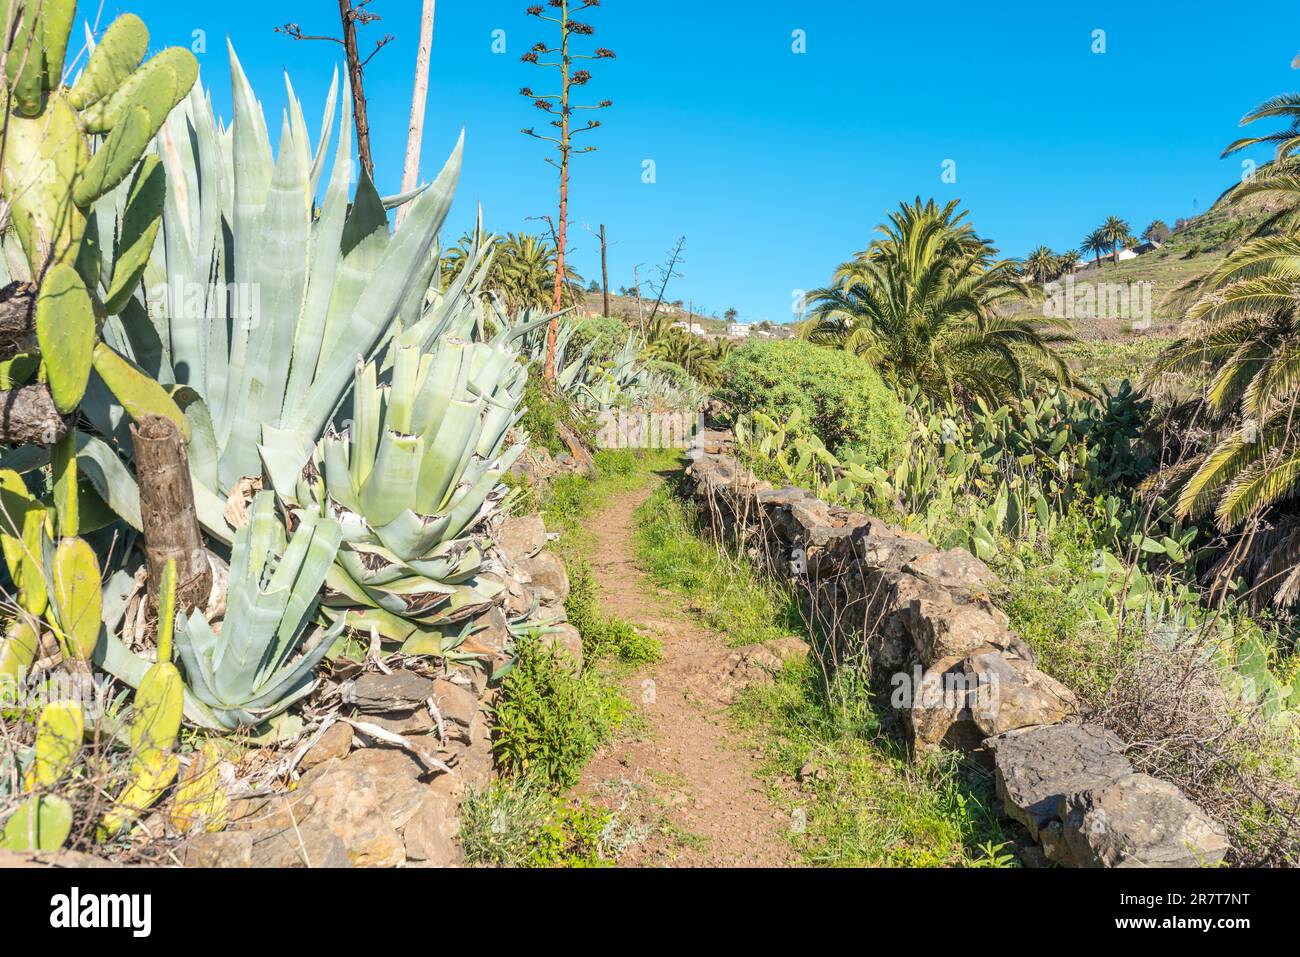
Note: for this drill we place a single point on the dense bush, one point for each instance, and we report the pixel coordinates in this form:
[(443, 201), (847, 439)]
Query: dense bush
[(842, 398), (551, 718), (608, 334)]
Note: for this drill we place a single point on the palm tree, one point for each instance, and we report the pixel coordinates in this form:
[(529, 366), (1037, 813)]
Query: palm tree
[(1040, 265), (1157, 232), (921, 303), (1278, 179), (1067, 262), (1116, 233), (522, 271), (1241, 345), (1096, 243)]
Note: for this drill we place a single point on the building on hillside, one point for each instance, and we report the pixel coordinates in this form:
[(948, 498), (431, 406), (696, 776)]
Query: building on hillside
[(739, 330), (1127, 254), (694, 328)]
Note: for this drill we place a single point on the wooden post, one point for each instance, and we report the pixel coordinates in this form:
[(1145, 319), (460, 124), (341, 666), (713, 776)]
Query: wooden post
[(171, 525), (604, 269)]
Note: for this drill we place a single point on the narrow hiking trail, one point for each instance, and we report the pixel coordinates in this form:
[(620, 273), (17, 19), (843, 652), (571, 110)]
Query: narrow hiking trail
[(683, 784)]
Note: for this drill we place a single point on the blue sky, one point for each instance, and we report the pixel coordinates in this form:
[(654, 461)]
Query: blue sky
[(776, 165)]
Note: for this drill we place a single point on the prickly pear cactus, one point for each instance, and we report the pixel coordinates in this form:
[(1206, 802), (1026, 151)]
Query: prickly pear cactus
[(66, 148), (77, 598)]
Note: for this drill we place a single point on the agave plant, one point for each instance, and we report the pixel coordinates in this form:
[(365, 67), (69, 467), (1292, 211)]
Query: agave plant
[(258, 338), (422, 459), (249, 673)]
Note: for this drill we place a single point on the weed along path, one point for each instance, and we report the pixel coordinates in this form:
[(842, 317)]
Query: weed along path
[(683, 786)]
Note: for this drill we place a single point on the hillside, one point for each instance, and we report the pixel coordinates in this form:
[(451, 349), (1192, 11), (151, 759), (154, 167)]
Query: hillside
[(1195, 249)]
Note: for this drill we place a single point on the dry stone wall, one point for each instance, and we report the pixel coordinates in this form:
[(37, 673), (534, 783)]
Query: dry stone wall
[(957, 675)]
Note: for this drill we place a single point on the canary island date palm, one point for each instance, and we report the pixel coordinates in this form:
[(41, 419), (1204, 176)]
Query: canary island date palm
[(922, 304)]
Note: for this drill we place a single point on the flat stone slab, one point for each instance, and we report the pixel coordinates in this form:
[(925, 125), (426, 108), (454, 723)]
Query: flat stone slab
[(1137, 821), (1037, 768)]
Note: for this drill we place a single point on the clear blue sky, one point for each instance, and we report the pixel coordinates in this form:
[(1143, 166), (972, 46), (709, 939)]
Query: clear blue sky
[(776, 166)]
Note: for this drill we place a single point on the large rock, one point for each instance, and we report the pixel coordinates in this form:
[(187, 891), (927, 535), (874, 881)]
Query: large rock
[(334, 819), (549, 579), (954, 568), (944, 625), (336, 742), (522, 536), (220, 849), (397, 778), (1013, 694), (377, 693), (1039, 767), (940, 712), (1137, 821), (431, 833), (457, 703)]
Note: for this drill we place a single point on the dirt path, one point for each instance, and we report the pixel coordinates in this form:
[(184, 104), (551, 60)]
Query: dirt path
[(684, 788)]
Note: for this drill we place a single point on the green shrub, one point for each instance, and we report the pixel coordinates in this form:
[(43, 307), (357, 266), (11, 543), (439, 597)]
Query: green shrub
[(516, 824), (544, 414), (602, 634), (550, 719), (843, 399), (608, 334)]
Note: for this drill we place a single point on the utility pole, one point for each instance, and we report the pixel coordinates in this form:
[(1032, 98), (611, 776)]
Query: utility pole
[(604, 269), (636, 287)]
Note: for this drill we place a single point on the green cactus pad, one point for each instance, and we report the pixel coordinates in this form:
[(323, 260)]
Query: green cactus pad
[(124, 45), (140, 224), (41, 824), (56, 26), (139, 394), (18, 648), (156, 87), (59, 731), (65, 329), (77, 599)]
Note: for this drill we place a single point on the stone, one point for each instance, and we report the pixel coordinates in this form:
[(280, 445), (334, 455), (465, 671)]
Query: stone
[(1037, 767), (1137, 821), (430, 834), (310, 844), (547, 577), (788, 648), (779, 496), (521, 536), (1013, 694), (943, 625), (940, 713), (377, 693), (336, 742), (568, 639), (877, 545), (60, 859), (220, 849), (333, 819), (954, 568), (396, 776), (455, 702), (414, 724)]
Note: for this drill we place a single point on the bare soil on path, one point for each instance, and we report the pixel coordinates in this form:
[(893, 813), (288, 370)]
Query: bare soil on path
[(680, 780)]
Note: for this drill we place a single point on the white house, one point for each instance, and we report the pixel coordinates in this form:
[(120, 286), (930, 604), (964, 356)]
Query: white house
[(739, 330), (695, 328)]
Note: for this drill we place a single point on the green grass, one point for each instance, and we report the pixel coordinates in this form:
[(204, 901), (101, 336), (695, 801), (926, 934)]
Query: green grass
[(723, 590), (574, 497), (513, 823), (603, 635), (862, 803), (865, 804)]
